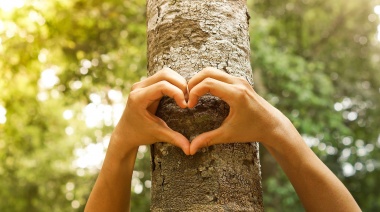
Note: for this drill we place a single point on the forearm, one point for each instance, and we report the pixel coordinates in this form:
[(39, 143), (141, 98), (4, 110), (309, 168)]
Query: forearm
[(113, 186), (318, 188)]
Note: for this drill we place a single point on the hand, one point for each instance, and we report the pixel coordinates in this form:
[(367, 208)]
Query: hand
[(139, 125), (251, 118)]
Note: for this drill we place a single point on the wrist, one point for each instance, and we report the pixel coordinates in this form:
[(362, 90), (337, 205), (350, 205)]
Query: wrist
[(120, 147), (279, 133), (284, 139), (287, 146)]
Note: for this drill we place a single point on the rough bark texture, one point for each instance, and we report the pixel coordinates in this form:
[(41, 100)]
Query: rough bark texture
[(187, 36)]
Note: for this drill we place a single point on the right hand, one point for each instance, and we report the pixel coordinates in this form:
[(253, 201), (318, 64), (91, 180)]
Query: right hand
[(251, 118)]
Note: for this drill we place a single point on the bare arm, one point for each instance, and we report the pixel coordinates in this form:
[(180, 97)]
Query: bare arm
[(112, 188), (317, 187), (252, 118), (137, 126)]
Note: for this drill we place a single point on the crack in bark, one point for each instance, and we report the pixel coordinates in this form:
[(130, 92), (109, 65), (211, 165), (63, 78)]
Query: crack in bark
[(152, 161), (158, 13)]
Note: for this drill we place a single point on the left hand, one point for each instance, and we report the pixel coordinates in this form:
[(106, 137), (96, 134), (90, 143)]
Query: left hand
[(139, 125)]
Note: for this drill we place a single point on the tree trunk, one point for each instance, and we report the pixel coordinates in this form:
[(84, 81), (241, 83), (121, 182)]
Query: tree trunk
[(187, 36)]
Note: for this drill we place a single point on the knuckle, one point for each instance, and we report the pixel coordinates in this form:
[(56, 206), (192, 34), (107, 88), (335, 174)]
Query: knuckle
[(132, 97), (208, 81), (163, 84), (208, 70), (165, 69), (135, 86), (240, 91), (165, 72), (243, 81), (167, 89), (208, 143)]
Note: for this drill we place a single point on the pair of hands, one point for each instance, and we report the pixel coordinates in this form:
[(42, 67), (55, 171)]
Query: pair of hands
[(251, 118)]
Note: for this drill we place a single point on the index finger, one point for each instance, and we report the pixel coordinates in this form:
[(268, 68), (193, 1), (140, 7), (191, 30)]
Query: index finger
[(148, 95), (224, 91), (166, 74), (210, 72)]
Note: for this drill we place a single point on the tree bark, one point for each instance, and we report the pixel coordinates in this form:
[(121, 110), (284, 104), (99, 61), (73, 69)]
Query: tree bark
[(187, 36)]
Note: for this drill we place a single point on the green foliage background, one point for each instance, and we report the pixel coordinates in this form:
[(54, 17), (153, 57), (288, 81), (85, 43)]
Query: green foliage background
[(315, 60)]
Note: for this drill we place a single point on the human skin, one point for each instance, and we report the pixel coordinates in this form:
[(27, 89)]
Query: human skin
[(251, 118)]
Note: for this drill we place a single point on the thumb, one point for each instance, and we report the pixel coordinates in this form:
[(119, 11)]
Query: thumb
[(168, 135), (207, 139)]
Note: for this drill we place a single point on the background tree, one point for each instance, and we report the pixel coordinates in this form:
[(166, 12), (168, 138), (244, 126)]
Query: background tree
[(61, 94), (66, 67), (323, 56)]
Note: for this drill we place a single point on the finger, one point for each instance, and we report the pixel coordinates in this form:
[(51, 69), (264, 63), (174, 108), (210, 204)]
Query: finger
[(210, 72), (217, 88), (168, 135), (151, 94), (166, 74), (207, 139)]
